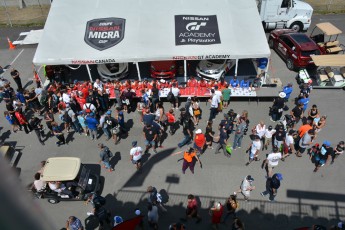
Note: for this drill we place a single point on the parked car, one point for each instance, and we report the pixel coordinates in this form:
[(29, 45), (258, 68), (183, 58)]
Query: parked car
[(112, 71), (163, 69), (294, 48), (214, 69), (64, 170)]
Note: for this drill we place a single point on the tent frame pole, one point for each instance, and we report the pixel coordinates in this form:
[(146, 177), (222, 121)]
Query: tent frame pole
[(89, 72), (138, 70), (236, 67), (185, 70), (266, 70)]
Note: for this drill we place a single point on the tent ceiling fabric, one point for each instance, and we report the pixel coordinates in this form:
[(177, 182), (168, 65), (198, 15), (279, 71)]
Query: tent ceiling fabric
[(149, 31)]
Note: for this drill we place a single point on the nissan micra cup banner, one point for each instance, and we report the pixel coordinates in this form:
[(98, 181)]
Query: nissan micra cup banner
[(104, 33), (196, 30)]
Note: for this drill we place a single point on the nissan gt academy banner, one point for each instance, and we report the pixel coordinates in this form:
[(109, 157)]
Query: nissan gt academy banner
[(196, 30), (104, 33)]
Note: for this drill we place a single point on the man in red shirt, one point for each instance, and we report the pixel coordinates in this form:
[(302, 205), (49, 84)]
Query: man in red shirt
[(192, 209), (199, 141)]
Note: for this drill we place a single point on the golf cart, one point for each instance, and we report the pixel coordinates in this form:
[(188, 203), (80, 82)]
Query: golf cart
[(68, 170), (332, 46), (330, 72)]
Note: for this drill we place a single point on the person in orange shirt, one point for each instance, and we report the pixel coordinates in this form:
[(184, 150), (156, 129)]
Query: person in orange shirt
[(202, 83), (199, 141), (189, 159), (211, 83), (304, 128), (192, 82)]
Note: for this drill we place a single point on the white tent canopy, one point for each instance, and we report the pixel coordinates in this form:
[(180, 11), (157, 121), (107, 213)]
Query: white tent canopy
[(150, 31)]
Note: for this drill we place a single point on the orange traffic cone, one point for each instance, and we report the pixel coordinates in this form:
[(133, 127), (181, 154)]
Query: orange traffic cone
[(10, 44)]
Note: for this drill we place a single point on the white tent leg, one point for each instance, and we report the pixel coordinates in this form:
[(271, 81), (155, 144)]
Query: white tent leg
[(185, 70), (88, 71), (236, 67), (138, 69), (266, 70)]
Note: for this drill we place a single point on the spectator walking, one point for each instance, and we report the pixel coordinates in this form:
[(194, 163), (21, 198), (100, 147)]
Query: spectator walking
[(22, 122), (287, 90), (16, 77), (339, 150), (216, 212), (272, 161), (226, 93), (49, 118), (136, 154), (92, 125), (272, 186), (231, 206), (189, 160), (305, 101), (239, 132), (277, 108), (171, 121), (254, 150), (36, 125), (105, 154), (57, 131), (187, 129), (246, 187), (176, 92), (209, 135), (73, 223), (324, 155), (155, 198), (279, 136), (12, 120), (152, 216), (305, 142), (269, 132), (192, 209), (223, 137), (150, 135), (214, 105), (288, 144), (199, 141)]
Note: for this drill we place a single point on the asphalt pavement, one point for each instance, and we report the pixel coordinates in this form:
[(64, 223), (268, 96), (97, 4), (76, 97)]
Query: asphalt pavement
[(305, 198)]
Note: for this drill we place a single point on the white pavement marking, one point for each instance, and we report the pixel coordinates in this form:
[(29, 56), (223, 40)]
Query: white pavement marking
[(17, 57)]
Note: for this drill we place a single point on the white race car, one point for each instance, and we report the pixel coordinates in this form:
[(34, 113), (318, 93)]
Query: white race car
[(215, 68), (112, 71)]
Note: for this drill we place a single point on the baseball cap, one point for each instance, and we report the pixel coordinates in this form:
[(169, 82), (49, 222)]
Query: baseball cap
[(137, 212), (250, 178), (327, 143), (279, 176), (270, 127), (198, 131), (134, 143), (108, 112), (92, 114), (118, 219)]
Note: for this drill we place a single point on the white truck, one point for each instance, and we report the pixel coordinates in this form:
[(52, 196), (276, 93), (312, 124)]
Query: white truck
[(280, 14)]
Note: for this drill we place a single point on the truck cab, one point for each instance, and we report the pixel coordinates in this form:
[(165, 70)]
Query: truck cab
[(281, 14)]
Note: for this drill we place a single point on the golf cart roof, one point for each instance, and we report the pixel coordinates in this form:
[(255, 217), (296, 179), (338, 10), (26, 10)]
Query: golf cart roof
[(328, 28), (61, 169), (329, 60)]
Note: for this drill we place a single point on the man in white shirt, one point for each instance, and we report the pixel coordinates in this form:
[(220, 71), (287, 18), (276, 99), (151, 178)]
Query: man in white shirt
[(289, 144), (66, 97), (88, 108), (214, 105), (254, 150), (246, 187), (272, 161), (98, 85), (136, 154), (218, 92), (38, 183), (176, 92), (267, 139), (260, 131)]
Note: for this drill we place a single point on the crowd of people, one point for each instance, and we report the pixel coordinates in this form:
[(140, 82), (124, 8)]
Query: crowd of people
[(86, 108)]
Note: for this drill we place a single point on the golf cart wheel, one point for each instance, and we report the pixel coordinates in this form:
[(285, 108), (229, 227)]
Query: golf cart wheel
[(297, 26), (53, 200), (289, 64), (270, 43)]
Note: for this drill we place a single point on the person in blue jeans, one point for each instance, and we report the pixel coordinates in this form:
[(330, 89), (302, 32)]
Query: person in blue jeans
[(105, 156), (239, 132), (187, 125), (92, 124)]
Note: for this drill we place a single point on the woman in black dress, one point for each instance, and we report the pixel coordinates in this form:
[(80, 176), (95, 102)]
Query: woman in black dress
[(209, 135)]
